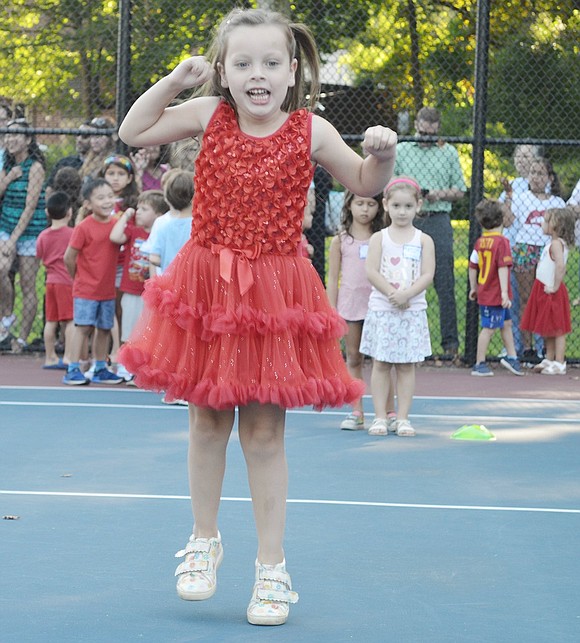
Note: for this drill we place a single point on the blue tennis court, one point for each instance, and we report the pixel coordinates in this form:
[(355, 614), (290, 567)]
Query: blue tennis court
[(388, 539)]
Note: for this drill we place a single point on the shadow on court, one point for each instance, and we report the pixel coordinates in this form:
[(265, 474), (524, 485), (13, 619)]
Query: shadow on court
[(388, 539)]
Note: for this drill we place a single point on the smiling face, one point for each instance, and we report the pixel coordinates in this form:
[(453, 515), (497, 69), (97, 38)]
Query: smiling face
[(17, 144), (257, 70), (101, 202)]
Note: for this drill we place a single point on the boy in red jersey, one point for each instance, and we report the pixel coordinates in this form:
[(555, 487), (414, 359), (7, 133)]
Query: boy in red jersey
[(489, 266)]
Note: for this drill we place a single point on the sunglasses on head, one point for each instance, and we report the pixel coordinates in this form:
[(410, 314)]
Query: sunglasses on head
[(123, 161)]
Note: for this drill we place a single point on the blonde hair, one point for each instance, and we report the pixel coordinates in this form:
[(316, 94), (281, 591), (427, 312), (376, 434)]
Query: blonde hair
[(562, 221), (300, 45)]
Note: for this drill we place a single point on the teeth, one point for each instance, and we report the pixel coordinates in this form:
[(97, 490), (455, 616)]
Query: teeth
[(258, 92)]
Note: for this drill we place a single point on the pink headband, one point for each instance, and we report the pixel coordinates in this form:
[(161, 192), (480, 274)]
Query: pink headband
[(400, 179)]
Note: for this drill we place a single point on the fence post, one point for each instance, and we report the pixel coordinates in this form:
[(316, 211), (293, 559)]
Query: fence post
[(477, 161), (123, 64)]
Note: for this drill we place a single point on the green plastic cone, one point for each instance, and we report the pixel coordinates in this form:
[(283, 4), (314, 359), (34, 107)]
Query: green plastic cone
[(473, 432)]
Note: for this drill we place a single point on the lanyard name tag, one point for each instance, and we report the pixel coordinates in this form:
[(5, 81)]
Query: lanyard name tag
[(363, 251), (412, 252)]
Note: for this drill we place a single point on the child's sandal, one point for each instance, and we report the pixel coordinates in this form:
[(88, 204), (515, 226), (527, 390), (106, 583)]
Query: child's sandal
[(197, 573), (272, 595)]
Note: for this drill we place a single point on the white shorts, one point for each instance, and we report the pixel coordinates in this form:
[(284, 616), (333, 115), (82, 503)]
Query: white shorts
[(132, 307)]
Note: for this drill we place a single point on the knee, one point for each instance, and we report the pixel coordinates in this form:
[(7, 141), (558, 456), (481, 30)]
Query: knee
[(354, 359), (262, 441)]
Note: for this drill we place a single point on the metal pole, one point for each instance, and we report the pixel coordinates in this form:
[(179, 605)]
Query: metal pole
[(123, 64), (479, 143)]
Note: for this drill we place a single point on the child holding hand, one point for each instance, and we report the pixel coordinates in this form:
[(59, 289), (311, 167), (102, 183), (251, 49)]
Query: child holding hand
[(400, 266)]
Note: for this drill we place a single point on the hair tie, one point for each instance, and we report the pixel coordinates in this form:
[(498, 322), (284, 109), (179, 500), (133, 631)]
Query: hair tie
[(402, 179)]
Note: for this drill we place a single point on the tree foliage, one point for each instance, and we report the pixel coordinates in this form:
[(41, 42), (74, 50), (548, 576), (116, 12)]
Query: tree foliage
[(60, 55)]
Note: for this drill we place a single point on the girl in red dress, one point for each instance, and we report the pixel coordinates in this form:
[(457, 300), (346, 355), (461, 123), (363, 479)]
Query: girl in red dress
[(548, 309), (239, 319)]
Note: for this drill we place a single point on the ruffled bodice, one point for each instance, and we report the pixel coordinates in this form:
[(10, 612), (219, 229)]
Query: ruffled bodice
[(239, 316), (250, 193)]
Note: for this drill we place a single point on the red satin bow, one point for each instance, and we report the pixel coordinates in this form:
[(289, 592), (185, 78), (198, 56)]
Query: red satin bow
[(244, 268)]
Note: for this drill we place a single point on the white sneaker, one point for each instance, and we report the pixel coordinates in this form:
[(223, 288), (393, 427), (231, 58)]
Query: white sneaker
[(538, 368), (555, 368), (124, 373)]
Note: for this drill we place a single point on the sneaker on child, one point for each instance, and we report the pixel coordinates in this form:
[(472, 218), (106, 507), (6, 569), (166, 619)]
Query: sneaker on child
[(512, 364), (105, 376), (74, 377), (482, 370), (354, 422)]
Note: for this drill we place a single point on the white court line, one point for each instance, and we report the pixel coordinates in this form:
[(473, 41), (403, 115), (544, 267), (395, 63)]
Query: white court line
[(137, 391), (302, 501), (166, 407)]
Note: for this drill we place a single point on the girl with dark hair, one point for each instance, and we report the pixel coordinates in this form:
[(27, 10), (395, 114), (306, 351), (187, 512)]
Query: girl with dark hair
[(22, 219)]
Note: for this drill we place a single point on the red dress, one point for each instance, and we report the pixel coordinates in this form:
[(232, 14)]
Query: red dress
[(547, 315), (238, 316)]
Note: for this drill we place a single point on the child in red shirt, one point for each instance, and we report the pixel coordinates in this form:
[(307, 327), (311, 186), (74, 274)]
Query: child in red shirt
[(58, 300), (132, 230), (91, 259), (489, 282)]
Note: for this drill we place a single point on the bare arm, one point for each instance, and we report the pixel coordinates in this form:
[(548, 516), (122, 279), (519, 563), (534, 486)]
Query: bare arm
[(118, 232), (155, 260), (503, 274), (151, 121), (366, 177), (373, 266), (334, 261), (472, 284), (70, 260), (557, 253)]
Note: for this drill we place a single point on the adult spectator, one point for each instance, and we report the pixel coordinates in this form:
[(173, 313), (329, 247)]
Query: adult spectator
[(150, 164), (523, 157), (22, 219), (5, 116), (102, 144), (574, 203), (435, 166), (82, 145)]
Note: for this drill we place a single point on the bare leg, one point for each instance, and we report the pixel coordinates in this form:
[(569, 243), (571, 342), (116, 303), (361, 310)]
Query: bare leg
[(560, 348), (391, 394), (354, 359), (380, 385), (405, 389), (101, 344), (6, 289), (28, 267), (261, 429), (68, 333), (482, 344), (49, 335), (550, 347), (525, 282), (209, 432), (507, 337)]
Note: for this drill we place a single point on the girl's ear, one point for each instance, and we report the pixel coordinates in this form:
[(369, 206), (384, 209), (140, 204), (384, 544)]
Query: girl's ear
[(292, 76), (222, 73)]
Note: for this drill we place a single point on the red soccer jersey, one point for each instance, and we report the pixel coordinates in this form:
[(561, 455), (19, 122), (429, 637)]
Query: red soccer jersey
[(96, 261), (490, 253)]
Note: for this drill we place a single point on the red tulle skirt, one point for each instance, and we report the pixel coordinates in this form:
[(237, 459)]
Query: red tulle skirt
[(547, 315), (201, 340)]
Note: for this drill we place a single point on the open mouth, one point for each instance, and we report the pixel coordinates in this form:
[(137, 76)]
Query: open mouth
[(259, 96)]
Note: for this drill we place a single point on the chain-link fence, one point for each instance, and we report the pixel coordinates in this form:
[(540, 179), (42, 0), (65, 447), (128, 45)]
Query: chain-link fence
[(72, 68)]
